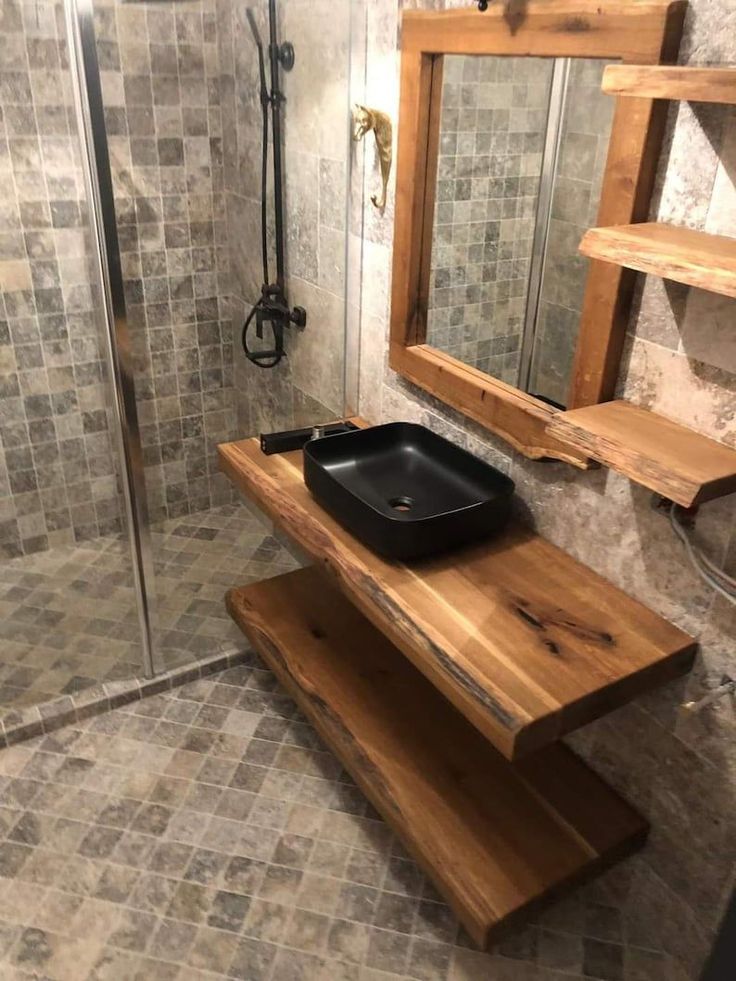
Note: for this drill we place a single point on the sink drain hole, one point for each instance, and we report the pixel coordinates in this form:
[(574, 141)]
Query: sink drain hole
[(402, 503)]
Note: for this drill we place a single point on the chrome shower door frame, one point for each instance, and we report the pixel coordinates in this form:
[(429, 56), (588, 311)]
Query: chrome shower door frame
[(543, 217), (87, 92)]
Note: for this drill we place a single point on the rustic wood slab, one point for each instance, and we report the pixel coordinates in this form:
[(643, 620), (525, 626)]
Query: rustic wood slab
[(687, 256), (495, 837), (525, 641), (664, 456), (671, 82)]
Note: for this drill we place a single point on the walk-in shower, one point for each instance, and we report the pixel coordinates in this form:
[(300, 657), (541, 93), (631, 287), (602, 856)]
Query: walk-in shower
[(130, 255)]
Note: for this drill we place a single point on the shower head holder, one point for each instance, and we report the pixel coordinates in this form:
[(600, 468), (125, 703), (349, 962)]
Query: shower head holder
[(286, 55)]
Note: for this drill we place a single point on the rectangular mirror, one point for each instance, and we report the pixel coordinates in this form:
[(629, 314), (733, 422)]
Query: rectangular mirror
[(522, 151), (508, 152)]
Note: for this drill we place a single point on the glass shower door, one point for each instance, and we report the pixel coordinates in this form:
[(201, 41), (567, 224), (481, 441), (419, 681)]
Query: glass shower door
[(69, 613), (183, 125), (135, 158)]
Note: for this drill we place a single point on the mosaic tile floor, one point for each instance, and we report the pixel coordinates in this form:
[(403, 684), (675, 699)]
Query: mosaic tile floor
[(68, 618), (206, 832)]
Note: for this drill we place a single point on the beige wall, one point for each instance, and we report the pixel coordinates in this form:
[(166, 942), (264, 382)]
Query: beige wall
[(680, 359)]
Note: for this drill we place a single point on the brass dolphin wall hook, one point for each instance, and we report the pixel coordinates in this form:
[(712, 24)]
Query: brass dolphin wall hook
[(365, 120)]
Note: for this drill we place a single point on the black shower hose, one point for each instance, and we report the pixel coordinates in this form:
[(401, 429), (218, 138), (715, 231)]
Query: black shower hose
[(253, 355), (265, 101)]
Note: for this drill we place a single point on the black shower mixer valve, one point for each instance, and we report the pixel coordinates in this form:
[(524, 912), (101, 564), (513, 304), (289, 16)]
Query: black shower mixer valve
[(274, 309)]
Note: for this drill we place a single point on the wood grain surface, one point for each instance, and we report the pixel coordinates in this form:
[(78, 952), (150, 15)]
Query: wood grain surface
[(517, 417), (683, 254), (671, 82), (635, 32), (524, 640), (654, 451), (495, 837)]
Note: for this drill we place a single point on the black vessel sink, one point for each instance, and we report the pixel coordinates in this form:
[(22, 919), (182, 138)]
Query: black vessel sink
[(406, 492)]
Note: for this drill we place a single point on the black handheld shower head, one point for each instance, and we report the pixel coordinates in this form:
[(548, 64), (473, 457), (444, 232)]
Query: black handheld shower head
[(253, 27)]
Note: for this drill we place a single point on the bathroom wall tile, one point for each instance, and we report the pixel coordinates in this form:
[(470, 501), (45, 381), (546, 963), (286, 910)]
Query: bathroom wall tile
[(704, 326), (658, 377), (332, 193), (317, 368), (168, 183), (331, 258), (302, 202), (167, 174), (57, 450), (695, 133), (705, 334)]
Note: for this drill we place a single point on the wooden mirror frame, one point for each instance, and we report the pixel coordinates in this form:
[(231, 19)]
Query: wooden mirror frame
[(634, 31)]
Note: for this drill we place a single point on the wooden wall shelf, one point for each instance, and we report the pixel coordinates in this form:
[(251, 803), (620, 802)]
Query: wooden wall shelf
[(525, 641), (687, 256), (671, 82), (495, 837), (668, 458)]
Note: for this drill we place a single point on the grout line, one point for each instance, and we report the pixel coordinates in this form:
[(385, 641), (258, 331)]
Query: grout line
[(53, 715)]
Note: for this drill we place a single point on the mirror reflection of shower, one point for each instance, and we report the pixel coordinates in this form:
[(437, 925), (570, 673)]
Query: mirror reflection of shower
[(272, 307)]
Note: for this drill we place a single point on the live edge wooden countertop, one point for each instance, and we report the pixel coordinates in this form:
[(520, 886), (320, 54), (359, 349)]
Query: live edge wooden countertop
[(524, 640)]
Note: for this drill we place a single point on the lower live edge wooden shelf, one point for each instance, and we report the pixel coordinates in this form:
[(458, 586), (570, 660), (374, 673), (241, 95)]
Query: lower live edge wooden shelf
[(497, 838), (526, 642)]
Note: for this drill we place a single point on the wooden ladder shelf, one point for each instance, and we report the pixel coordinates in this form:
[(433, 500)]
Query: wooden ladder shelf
[(658, 453)]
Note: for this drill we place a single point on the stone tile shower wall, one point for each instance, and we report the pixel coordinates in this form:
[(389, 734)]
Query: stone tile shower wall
[(161, 88), (57, 472), (308, 385), (160, 76), (494, 112), (163, 66), (653, 916), (583, 148)]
